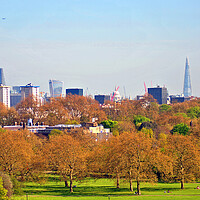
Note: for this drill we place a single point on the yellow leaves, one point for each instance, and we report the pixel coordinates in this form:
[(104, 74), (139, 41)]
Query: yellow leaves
[(65, 153), (15, 152), (184, 157)]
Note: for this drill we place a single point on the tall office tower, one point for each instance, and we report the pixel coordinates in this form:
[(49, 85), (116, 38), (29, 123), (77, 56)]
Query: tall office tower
[(5, 95), (15, 98), (102, 98), (30, 90), (56, 88), (159, 93), (187, 88), (2, 78), (74, 91), (15, 95)]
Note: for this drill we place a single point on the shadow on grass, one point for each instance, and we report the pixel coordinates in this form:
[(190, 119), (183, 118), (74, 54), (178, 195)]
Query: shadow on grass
[(79, 191), (56, 188)]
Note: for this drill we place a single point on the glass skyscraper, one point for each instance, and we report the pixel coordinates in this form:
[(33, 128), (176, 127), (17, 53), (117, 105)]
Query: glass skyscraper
[(56, 88), (2, 78), (187, 88)]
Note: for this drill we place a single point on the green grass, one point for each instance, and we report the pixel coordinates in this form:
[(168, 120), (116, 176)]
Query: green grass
[(104, 189)]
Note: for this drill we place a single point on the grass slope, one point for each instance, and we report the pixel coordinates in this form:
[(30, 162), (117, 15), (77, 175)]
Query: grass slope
[(104, 189)]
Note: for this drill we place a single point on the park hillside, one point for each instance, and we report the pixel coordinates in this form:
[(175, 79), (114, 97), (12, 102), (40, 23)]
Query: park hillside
[(151, 145)]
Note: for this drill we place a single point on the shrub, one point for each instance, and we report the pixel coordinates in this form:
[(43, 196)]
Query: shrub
[(109, 124), (194, 112), (55, 132), (181, 129), (181, 114), (139, 119), (7, 183), (17, 186), (3, 191), (164, 107)]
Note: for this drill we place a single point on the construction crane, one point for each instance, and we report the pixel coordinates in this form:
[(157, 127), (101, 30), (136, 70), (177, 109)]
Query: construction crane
[(145, 87), (112, 98)]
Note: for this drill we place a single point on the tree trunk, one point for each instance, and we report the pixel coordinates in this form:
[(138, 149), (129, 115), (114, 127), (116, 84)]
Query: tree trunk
[(182, 174), (65, 180), (118, 181), (130, 182), (71, 188), (66, 184), (131, 185), (182, 183), (138, 186)]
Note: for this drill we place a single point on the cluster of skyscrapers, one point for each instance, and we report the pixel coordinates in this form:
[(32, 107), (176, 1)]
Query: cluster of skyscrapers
[(11, 96)]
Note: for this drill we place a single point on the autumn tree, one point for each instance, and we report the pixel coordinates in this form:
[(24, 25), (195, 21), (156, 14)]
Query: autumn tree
[(83, 109), (53, 112), (138, 154), (8, 116), (185, 158), (28, 108), (66, 156), (126, 126), (16, 153), (107, 158)]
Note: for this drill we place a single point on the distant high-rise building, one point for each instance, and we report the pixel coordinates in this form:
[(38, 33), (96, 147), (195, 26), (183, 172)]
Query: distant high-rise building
[(16, 89), (30, 90), (178, 99), (187, 88), (159, 93), (5, 95), (2, 78), (74, 91), (102, 98), (15, 98), (15, 95), (56, 88)]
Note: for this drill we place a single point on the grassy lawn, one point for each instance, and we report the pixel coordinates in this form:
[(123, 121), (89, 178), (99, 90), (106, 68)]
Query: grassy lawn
[(104, 189)]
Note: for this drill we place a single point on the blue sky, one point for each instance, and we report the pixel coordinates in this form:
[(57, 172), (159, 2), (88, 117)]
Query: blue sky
[(100, 44)]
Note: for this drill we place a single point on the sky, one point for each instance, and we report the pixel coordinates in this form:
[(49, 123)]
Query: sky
[(100, 44)]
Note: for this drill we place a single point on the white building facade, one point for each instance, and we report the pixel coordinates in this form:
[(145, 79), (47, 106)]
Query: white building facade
[(30, 90), (5, 95)]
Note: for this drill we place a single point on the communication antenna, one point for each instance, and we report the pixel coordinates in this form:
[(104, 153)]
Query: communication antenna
[(124, 92)]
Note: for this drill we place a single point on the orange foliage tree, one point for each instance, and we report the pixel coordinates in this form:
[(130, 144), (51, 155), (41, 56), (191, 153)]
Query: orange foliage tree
[(8, 116), (83, 109), (185, 158), (28, 108), (16, 153), (139, 155), (53, 113), (67, 157)]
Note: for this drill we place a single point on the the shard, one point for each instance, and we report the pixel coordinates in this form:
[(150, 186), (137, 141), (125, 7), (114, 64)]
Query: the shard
[(187, 88)]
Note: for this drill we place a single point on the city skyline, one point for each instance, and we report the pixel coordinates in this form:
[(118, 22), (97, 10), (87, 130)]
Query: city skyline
[(56, 86), (100, 44)]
